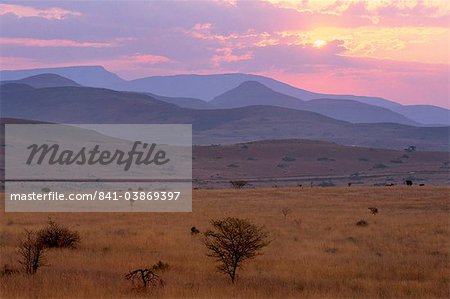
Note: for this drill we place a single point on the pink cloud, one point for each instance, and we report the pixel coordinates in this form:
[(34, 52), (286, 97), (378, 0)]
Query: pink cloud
[(54, 13), (42, 43), (147, 59), (226, 55)]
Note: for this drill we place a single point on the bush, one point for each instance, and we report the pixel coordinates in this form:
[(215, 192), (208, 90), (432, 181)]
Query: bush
[(7, 270), (362, 223), (238, 184), (288, 159), (380, 166), (398, 161), (57, 236), (325, 159)]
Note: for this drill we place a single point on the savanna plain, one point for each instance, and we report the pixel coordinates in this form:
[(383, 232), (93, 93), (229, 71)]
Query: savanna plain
[(317, 250)]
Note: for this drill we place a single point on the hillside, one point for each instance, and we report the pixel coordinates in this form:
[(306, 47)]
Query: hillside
[(287, 162), (206, 87), (45, 80), (254, 93), (96, 105)]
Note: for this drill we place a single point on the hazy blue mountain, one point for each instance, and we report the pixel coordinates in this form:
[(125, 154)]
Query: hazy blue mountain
[(98, 105), (207, 87), (44, 80), (425, 114), (95, 76), (183, 102), (254, 93)]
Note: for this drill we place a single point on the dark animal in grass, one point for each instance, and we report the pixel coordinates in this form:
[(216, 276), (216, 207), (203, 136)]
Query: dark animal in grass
[(409, 182), (194, 230), (373, 210)]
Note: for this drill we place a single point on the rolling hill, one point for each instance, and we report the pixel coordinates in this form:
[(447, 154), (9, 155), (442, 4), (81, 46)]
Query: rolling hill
[(206, 87), (44, 80), (254, 93), (97, 105)]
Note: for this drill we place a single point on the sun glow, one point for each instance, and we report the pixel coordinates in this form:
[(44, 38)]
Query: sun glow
[(319, 43)]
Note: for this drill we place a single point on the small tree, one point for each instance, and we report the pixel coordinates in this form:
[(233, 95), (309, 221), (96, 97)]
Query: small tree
[(31, 252), (148, 276), (233, 241)]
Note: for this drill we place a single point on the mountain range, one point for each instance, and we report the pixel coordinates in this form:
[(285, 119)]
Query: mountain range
[(78, 104), (206, 91)]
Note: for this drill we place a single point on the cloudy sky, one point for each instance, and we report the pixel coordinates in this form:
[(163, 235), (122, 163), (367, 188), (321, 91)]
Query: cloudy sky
[(394, 49)]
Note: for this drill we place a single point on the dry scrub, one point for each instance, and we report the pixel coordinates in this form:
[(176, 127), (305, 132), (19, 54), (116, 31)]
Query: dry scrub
[(317, 252)]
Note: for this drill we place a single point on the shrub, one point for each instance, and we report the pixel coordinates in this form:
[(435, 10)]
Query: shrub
[(233, 241), (288, 159), (286, 212), (398, 161), (31, 252), (238, 184), (362, 223), (7, 270), (325, 159), (57, 236), (233, 165), (379, 166), (160, 266)]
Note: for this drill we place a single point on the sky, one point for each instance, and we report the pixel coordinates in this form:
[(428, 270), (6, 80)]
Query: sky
[(393, 49)]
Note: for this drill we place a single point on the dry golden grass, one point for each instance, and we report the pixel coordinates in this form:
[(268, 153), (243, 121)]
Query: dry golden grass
[(316, 252)]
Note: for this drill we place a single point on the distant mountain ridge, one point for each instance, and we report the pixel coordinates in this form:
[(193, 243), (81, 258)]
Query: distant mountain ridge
[(207, 87), (250, 123), (44, 80), (254, 93)]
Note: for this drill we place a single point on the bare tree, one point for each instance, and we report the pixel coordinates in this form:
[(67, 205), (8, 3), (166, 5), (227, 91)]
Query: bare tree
[(148, 276), (145, 277), (233, 241), (31, 252)]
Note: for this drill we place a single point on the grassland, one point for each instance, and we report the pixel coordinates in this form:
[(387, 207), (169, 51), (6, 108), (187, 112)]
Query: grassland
[(317, 250)]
